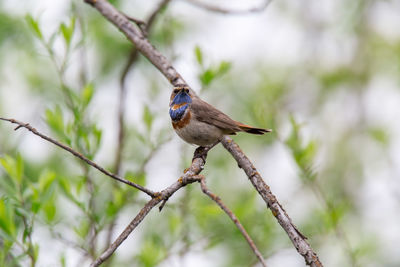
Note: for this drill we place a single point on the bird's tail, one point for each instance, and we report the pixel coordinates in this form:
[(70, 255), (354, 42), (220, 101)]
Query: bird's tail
[(253, 130)]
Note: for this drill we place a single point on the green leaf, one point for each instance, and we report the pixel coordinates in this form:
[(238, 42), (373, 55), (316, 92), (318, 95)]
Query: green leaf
[(63, 260), (44, 193), (83, 229), (50, 211), (19, 169), (379, 135), (34, 199), (303, 154), (207, 77), (148, 117), (210, 74), (87, 94), (199, 55), (68, 31), (65, 185), (46, 179), (35, 251), (223, 68), (14, 168), (66, 189), (34, 25), (7, 224), (35, 206), (55, 120)]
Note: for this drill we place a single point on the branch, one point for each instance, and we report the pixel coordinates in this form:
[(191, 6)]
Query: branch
[(297, 238), (226, 11), (235, 220), (161, 63), (80, 156), (136, 36), (190, 176)]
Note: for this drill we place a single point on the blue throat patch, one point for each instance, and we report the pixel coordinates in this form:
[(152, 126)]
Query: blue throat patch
[(180, 98), (177, 114)]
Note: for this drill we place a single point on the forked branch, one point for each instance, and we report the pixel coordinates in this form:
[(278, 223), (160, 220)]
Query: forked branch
[(190, 176), (165, 67)]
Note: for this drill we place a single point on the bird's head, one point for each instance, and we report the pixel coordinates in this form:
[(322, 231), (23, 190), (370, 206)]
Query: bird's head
[(180, 101), (181, 95)]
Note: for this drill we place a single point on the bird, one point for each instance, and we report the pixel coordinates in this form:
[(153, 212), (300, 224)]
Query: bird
[(198, 122)]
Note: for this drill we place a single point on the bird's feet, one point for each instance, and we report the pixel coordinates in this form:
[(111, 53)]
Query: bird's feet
[(200, 152)]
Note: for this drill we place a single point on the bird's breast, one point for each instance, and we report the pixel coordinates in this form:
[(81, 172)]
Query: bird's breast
[(178, 111), (183, 121)]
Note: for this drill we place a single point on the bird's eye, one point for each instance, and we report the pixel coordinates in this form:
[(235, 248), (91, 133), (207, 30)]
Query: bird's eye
[(187, 91), (176, 91)]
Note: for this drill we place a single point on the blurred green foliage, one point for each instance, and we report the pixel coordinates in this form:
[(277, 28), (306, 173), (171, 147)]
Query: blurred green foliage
[(208, 74), (66, 69)]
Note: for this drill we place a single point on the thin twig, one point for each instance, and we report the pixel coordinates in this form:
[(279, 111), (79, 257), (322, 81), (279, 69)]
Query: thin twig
[(80, 156), (233, 217), (190, 176), (165, 67), (140, 23), (163, 4), (226, 11)]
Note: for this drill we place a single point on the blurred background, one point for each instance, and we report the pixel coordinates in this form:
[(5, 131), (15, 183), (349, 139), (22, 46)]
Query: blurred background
[(324, 75)]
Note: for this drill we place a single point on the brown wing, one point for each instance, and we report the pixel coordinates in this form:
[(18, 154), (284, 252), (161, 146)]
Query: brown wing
[(206, 113)]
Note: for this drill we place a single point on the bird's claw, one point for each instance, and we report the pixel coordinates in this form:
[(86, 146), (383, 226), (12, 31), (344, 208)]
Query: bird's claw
[(201, 153)]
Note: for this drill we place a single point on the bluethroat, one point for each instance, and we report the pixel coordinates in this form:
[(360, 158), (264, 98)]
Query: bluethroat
[(199, 123)]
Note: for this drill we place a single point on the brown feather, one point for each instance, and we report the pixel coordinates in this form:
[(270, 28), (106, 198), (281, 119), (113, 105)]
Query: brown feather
[(206, 113), (253, 130)]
